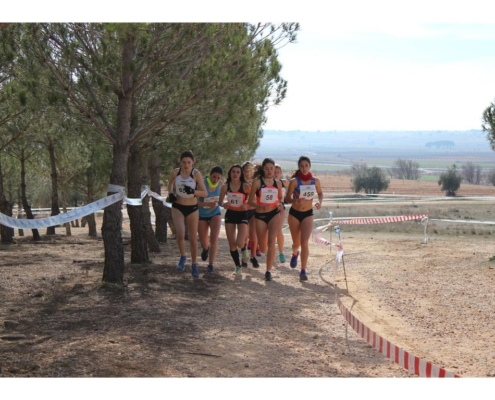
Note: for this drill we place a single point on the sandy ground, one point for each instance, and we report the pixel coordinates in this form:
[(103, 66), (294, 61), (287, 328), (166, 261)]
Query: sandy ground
[(434, 300)]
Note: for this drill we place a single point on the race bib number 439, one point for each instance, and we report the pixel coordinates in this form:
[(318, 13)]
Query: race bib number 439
[(307, 191)]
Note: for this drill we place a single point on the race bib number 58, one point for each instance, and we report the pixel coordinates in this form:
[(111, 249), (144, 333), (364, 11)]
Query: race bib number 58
[(269, 195)]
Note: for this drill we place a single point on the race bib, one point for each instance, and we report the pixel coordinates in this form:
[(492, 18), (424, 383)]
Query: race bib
[(212, 199), (235, 199), (269, 195), (181, 192), (307, 191)]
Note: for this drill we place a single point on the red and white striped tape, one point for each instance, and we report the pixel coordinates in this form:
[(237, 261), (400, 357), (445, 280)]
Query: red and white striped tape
[(364, 221), (406, 360), (382, 220)]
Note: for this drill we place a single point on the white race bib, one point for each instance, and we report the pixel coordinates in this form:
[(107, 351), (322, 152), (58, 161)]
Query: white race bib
[(212, 199), (181, 192), (269, 195), (307, 191), (235, 199)]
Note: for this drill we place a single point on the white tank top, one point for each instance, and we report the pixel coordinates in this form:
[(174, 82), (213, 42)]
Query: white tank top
[(180, 182)]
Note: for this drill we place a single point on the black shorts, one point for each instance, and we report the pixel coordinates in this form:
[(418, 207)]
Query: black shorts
[(209, 217), (250, 213), (236, 217), (267, 217), (300, 215), (185, 210)]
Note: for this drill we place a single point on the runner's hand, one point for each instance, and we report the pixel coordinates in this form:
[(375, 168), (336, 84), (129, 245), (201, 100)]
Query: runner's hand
[(188, 190)]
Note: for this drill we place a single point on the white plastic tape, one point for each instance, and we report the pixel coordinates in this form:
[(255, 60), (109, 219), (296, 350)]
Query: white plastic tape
[(60, 219)]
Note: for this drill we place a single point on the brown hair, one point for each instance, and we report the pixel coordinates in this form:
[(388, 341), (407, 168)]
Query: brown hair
[(302, 158)]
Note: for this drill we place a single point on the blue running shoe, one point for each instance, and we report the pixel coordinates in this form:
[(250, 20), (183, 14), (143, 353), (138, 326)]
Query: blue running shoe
[(194, 270), (182, 263), (303, 276), (293, 260), (238, 270), (210, 269)]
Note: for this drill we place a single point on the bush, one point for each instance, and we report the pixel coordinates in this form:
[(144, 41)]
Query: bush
[(450, 181), (372, 180)]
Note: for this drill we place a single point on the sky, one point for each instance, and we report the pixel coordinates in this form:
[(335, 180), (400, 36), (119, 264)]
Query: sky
[(356, 65), (382, 71)]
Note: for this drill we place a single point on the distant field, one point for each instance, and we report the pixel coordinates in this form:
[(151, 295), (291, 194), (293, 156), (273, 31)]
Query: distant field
[(338, 160), (341, 183)]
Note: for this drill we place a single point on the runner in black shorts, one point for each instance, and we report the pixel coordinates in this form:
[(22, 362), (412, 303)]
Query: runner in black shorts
[(266, 196), (280, 235), (235, 190), (251, 239), (185, 185), (210, 217), (302, 188)]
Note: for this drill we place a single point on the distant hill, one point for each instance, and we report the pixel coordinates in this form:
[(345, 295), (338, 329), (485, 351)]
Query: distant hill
[(338, 150), (325, 140)]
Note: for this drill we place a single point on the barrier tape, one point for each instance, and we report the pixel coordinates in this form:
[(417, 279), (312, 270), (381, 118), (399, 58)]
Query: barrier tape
[(373, 220), (60, 219), (406, 360), (382, 220)]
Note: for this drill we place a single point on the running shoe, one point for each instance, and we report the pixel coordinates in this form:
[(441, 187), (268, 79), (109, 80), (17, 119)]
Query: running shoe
[(244, 264), (194, 270), (281, 257), (268, 276), (293, 260), (182, 263), (254, 262), (204, 254), (210, 269), (258, 253), (238, 270), (245, 257), (303, 276)]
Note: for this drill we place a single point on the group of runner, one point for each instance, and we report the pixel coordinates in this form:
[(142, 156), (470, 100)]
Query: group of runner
[(254, 198)]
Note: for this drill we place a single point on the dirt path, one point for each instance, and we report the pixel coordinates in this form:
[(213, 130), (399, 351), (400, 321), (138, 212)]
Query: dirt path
[(434, 300), (167, 324)]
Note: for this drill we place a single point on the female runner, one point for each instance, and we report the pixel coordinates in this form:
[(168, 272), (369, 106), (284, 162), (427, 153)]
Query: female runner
[(247, 168), (210, 217), (280, 236), (236, 189), (266, 196), (302, 188), (185, 185)]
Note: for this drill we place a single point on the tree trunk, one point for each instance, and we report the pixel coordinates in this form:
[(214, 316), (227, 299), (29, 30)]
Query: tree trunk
[(113, 271), (139, 245), (158, 207), (151, 240), (19, 209), (90, 197), (25, 205), (6, 233), (67, 225), (53, 166), (111, 230)]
